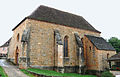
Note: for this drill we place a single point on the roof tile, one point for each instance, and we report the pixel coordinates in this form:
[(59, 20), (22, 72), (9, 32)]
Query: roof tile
[(44, 13), (100, 43)]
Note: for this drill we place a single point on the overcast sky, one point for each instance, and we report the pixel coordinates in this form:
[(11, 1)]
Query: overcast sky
[(104, 15)]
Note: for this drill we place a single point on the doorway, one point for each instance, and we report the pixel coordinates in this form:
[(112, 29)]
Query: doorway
[(16, 56)]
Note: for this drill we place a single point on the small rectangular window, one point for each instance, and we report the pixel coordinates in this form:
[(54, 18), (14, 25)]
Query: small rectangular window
[(90, 48)]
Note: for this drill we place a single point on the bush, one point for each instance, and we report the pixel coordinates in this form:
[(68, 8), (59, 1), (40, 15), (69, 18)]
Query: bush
[(107, 74)]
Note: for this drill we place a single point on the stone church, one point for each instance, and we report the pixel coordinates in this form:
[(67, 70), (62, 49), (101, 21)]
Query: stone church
[(56, 40)]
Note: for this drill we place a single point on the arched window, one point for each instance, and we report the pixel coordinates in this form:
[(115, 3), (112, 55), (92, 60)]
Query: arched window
[(66, 46), (18, 37)]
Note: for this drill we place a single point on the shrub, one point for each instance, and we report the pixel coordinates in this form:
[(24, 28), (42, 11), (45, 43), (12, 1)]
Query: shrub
[(107, 74)]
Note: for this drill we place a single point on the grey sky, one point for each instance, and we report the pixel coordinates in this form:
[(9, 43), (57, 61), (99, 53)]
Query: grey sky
[(104, 15)]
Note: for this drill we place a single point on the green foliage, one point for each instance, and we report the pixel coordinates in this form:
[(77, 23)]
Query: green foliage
[(115, 42), (2, 72), (107, 74), (27, 73), (54, 73)]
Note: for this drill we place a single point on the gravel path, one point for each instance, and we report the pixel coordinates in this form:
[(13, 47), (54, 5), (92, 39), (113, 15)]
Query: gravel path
[(11, 70)]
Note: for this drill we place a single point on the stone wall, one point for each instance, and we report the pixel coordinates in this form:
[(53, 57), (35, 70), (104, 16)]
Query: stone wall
[(91, 57), (42, 46), (102, 58), (16, 43), (95, 60)]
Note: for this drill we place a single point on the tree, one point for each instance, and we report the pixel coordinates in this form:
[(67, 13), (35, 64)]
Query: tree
[(115, 42)]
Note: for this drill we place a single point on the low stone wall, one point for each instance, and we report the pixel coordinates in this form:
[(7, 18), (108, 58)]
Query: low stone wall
[(11, 60), (43, 67), (39, 75), (94, 72), (67, 69)]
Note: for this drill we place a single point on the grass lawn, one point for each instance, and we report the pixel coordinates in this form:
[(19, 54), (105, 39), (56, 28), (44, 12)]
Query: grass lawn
[(54, 73), (2, 72), (27, 73)]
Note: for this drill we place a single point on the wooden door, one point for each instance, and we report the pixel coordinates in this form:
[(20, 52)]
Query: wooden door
[(16, 58), (16, 55)]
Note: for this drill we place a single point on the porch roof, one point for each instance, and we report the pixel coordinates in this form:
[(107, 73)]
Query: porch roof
[(114, 57)]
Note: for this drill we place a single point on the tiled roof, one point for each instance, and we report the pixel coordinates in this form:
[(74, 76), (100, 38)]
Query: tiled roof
[(100, 43), (6, 44), (47, 14)]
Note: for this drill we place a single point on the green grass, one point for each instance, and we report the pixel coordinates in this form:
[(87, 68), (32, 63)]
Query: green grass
[(2, 72), (54, 73), (27, 73)]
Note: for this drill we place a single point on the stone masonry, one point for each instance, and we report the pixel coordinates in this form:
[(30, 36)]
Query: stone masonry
[(96, 59), (42, 44), (38, 41)]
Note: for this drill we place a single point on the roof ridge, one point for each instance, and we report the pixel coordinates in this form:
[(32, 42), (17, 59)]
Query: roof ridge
[(52, 15), (60, 10), (54, 9), (94, 36)]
